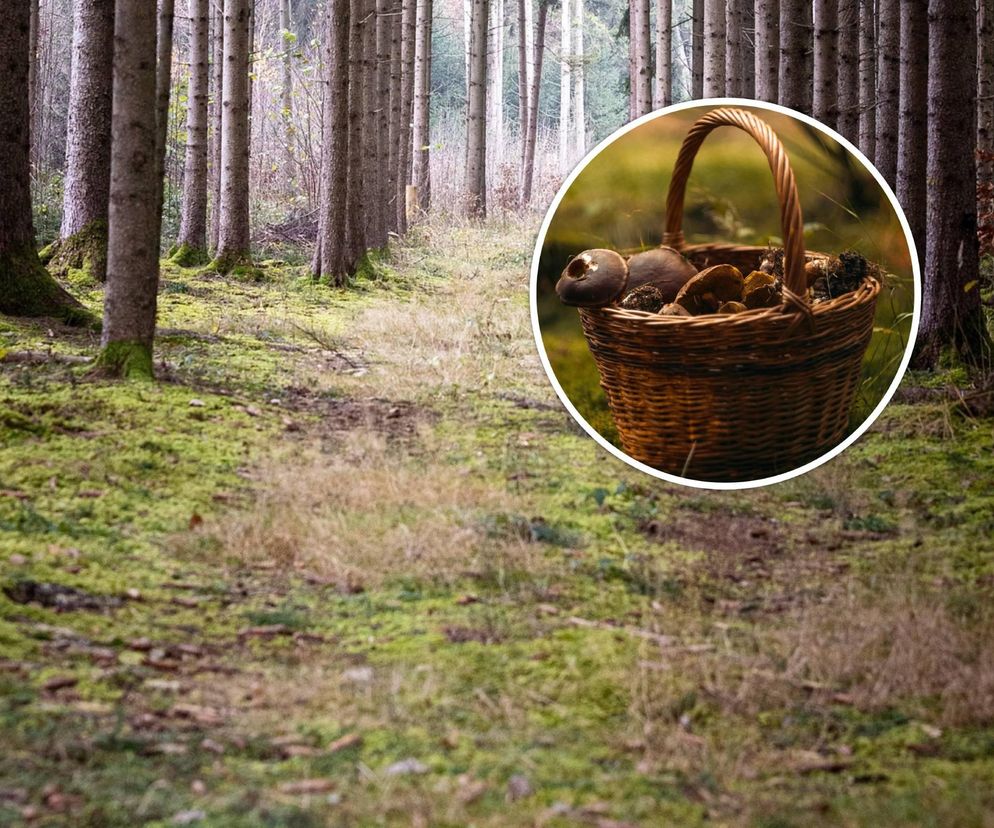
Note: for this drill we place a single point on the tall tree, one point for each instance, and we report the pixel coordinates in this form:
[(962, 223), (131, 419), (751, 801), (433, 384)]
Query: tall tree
[(664, 53), (697, 48), (375, 228), (714, 48), (642, 31), (330, 258), (951, 310), (217, 108), (536, 84), (134, 218), (26, 288), (396, 126), (422, 104), (912, 125), (385, 179), (566, 84), (476, 120), (526, 65), (767, 52), (191, 245), (495, 80), (163, 86), (355, 240), (848, 76), (83, 238), (867, 78), (795, 42), (579, 83), (233, 243), (888, 87), (34, 28), (407, 36), (985, 104), (287, 41), (734, 47), (825, 105)]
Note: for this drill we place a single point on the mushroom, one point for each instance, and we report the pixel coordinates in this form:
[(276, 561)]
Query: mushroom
[(832, 277), (710, 289), (762, 290), (663, 267), (673, 309), (644, 298), (732, 307), (593, 279), (772, 262)]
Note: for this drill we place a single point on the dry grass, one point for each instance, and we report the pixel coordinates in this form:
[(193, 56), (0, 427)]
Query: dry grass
[(370, 512)]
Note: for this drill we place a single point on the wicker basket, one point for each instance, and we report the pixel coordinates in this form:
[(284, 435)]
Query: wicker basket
[(736, 396)]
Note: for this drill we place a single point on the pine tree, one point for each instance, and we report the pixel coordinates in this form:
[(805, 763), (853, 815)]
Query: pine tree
[(888, 87), (767, 52), (825, 101), (476, 121)]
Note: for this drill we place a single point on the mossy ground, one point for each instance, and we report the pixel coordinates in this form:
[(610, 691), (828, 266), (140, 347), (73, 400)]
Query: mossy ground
[(357, 566)]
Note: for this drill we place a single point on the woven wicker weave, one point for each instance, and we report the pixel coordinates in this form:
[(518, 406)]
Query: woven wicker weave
[(743, 396)]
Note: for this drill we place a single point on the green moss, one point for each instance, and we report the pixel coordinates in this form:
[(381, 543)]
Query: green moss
[(127, 360), (185, 255), (27, 289), (85, 251)]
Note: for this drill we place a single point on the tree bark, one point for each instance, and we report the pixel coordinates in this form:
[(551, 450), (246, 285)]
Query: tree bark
[(133, 240), (888, 87), (331, 258), (476, 129), (26, 288), (985, 107), (384, 180), (525, 63), (529, 175), (396, 120), (643, 55), (912, 126), (566, 84), (495, 80), (867, 78), (163, 85), (795, 78), (951, 311), (714, 49), (287, 41), (664, 53), (697, 71), (579, 84), (422, 104), (33, 30), (734, 29), (375, 230), (408, 27), (217, 81), (825, 106), (192, 241), (82, 240), (767, 50), (848, 76), (355, 240), (234, 241)]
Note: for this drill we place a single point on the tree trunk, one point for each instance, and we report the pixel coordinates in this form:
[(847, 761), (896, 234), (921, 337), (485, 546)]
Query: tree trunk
[(888, 87), (233, 246), (396, 126), (714, 49), (217, 80), (374, 229), (697, 70), (566, 86), (867, 78), (848, 76), (386, 183), (529, 174), (664, 53), (748, 46), (526, 60), (643, 55), (33, 30), (985, 109), (495, 80), (355, 241), (795, 79), (579, 84), (163, 85), (133, 238), (407, 36), (82, 240), (287, 42), (826, 62), (422, 104), (913, 126), (331, 263), (26, 288), (733, 47), (192, 241), (767, 50), (951, 310), (476, 129)]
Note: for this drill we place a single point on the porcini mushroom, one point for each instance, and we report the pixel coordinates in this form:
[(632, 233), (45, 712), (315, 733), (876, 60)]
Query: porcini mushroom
[(663, 267), (593, 279), (710, 289), (644, 298), (732, 307), (762, 290)]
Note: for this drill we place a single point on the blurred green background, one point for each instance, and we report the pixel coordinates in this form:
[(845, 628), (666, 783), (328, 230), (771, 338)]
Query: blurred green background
[(618, 202)]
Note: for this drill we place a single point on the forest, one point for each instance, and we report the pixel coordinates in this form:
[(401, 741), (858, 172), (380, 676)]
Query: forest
[(293, 528)]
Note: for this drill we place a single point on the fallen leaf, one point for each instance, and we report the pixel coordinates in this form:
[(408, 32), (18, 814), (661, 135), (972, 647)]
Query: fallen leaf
[(345, 742)]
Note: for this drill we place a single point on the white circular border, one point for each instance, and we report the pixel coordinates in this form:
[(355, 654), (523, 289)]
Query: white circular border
[(706, 484)]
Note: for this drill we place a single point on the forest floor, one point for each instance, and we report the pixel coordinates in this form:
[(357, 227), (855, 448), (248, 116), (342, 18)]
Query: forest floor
[(350, 563)]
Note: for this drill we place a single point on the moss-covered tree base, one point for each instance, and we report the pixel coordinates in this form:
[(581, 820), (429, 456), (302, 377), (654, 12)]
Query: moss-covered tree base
[(186, 255), (239, 265), (124, 360), (27, 289), (85, 251)]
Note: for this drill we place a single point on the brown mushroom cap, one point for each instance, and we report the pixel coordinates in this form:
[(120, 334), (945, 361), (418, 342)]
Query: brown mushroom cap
[(644, 298), (732, 307), (663, 267), (673, 309), (593, 279), (761, 290), (710, 289)]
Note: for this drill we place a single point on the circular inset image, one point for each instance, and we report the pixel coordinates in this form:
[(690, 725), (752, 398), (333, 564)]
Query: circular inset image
[(725, 294)]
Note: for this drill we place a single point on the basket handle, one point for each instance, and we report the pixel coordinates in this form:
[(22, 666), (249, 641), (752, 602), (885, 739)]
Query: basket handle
[(791, 220)]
